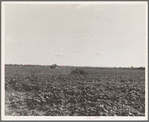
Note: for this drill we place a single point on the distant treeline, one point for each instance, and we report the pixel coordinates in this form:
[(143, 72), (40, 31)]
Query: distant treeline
[(84, 67)]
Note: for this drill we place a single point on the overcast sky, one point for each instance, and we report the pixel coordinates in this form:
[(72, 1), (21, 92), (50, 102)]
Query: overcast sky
[(76, 34)]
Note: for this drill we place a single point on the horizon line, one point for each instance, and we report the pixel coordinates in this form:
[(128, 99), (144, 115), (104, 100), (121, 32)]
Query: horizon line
[(82, 66)]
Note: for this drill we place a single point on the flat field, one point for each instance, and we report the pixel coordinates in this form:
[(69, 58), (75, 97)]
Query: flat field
[(43, 91)]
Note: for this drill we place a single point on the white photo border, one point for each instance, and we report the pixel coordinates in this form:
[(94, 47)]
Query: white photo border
[(64, 118)]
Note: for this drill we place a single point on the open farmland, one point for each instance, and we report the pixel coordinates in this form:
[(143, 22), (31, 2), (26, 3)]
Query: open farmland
[(42, 91)]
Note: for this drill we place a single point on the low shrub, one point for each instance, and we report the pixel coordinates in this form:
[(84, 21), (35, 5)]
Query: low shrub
[(78, 71)]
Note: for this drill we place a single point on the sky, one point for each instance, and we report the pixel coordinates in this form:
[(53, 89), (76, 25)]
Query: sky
[(76, 34)]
